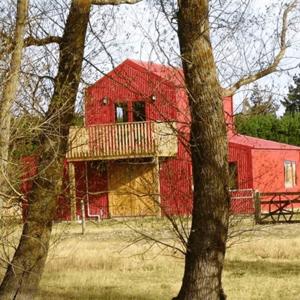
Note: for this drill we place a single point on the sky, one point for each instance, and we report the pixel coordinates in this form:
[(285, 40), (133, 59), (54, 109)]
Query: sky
[(142, 32)]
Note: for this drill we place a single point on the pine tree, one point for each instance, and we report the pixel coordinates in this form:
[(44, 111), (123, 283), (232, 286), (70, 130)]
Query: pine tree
[(261, 103), (292, 101)]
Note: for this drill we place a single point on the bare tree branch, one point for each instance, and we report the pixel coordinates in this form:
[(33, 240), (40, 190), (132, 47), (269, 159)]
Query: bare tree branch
[(32, 41), (29, 41), (114, 2), (273, 66)]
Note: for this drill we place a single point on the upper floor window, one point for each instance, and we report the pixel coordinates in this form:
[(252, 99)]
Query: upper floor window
[(121, 112), (290, 179), (139, 111)]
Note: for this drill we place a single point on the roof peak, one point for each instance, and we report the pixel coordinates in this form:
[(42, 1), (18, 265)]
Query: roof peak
[(168, 73)]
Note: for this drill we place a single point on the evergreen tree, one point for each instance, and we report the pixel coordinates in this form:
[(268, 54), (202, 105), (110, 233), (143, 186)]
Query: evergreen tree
[(285, 129), (261, 102), (292, 101)]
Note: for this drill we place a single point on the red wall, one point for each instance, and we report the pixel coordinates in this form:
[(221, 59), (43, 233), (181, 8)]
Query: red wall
[(176, 182), (268, 169), (242, 156), (97, 187), (29, 166), (127, 84)]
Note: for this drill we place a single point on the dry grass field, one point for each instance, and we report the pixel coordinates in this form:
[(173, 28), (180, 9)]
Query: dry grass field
[(100, 265)]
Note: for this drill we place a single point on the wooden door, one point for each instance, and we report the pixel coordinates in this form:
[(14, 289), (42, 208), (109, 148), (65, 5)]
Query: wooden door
[(132, 190)]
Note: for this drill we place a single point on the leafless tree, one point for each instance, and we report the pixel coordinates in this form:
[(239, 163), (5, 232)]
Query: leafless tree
[(9, 94), (207, 241), (24, 272)]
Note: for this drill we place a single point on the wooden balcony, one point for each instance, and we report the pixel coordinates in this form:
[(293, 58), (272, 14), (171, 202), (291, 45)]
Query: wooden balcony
[(122, 140)]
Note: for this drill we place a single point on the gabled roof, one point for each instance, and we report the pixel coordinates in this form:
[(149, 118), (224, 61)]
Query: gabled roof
[(258, 143), (172, 74), (164, 74)]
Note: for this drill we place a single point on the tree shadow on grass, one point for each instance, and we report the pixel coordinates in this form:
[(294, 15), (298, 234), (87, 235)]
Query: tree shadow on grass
[(103, 293), (262, 268)]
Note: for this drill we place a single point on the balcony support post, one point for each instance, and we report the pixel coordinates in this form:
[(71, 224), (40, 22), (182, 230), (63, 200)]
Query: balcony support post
[(72, 183), (157, 184)]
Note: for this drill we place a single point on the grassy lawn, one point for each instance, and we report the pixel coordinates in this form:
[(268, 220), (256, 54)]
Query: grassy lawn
[(265, 264)]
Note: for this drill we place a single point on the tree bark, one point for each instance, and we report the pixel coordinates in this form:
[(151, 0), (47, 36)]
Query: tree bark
[(23, 274), (9, 94), (25, 270), (207, 240)]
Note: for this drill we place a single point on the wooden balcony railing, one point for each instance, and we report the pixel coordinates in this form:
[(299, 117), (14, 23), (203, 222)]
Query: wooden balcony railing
[(122, 140)]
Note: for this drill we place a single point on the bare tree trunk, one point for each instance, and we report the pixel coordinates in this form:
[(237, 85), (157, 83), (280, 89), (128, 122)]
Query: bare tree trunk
[(23, 274), (207, 240), (25, 270), (9, 94)]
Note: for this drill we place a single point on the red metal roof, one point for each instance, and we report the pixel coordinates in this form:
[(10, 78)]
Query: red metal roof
[(258, 143)]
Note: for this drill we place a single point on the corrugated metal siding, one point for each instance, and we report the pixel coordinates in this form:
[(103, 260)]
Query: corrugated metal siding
[(268, 169), (176, 183), (127, 84), (29, 166), (242, 155), (63, 207), (97, 187)]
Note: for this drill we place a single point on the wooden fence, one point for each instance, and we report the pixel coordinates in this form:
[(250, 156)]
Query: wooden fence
[(277, 207)]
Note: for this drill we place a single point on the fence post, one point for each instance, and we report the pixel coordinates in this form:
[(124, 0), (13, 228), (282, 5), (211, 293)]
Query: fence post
[(257, 206), (82, 217), (72, 190)]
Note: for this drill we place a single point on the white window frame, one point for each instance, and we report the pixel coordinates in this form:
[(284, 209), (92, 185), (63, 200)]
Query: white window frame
[(290, 174)]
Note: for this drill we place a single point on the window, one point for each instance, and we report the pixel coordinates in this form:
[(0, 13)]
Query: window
[(139, 111), (233, 175), (121, 112), (290, 179)]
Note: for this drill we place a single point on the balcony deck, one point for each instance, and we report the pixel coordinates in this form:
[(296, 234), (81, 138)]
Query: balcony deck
[(122, 140)]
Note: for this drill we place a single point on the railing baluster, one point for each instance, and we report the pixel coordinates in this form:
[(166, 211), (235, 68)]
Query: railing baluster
[(106, 141), (142, 138), (113, 140), (109, 140), (119, 139), (96, 141), (125, 138)]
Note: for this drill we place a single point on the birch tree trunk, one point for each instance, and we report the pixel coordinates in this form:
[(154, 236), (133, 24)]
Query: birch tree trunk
[(9, 95), (207, 240)]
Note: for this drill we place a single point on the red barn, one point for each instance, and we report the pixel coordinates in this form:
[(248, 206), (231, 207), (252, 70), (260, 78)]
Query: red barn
[(131, 158)]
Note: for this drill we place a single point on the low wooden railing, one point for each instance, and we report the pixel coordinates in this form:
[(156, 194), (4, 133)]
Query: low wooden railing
[(122, 140)]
